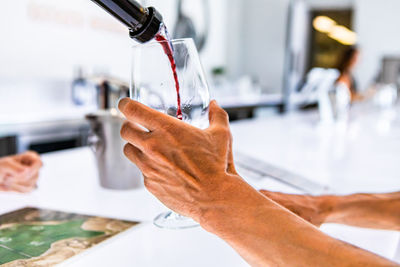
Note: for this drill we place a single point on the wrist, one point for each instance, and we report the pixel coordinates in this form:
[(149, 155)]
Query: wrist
[(328, 206), (214, 212), (236, 201), (345, 207)]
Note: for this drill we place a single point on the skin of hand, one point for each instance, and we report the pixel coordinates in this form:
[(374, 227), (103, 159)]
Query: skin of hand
[(312, 209), (378, 211), (192, 172), (194, 156), (20, 173)]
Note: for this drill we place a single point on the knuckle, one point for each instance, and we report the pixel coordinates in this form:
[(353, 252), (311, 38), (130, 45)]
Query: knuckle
[(127, 150), (124, 130), (223, 114), (151, 142), (150, 145), (168, 127)]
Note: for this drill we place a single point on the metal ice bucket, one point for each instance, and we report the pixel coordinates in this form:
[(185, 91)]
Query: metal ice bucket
[(115, 170)]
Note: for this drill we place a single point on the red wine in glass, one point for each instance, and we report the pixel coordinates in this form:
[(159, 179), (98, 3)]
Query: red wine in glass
[(164, 40)]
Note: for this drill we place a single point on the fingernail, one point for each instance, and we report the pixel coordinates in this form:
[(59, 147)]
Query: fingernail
[(123, 102)]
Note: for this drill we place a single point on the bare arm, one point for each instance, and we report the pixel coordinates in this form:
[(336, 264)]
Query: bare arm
[(192, 172), (265, 234), (379, 211)]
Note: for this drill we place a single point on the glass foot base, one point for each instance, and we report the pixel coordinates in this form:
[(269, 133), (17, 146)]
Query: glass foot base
[(174, 221)]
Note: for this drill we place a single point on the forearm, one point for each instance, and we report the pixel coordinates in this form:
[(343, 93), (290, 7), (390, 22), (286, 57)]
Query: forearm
[(381, 211), (265, 234)]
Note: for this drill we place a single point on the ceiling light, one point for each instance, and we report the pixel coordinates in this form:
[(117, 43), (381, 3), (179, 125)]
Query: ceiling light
[(323, 24), (343, 35)]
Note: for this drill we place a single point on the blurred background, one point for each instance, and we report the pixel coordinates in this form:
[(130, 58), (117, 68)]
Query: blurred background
[(261, 57)]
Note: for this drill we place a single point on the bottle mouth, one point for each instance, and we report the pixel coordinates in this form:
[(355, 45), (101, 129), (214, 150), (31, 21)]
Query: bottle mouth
[(150, 28)]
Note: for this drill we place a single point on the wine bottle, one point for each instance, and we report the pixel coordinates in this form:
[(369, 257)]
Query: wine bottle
[(143, 23)]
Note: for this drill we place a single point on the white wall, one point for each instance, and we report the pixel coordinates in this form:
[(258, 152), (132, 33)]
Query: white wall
[(257, 37), (298, 39), (377, 24), (235, 43), (47, 38), (43, 41), (329, 4)]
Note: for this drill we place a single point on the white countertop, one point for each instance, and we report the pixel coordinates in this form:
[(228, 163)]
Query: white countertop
[(233, 101), (362, 158)]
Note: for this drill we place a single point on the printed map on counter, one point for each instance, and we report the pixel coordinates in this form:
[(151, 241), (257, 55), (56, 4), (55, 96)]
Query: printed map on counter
[(37, 237)]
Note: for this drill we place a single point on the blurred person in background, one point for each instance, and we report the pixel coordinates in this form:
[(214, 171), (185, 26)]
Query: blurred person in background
[(346, 66), (346, 80), (19, 173)]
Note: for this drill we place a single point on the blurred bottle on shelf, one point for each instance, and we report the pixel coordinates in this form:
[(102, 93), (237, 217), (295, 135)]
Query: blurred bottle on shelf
[(100, 91)]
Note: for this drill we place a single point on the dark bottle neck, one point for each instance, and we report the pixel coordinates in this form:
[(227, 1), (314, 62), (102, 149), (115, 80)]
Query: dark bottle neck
[(143, 23)]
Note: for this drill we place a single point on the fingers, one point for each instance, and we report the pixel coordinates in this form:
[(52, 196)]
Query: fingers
[(31, 181), (133, 134), (21, 186), (3, 188), (134, 154), (143, 115), (217, 115), (142, 161), (21, 172), (14, 167), (31, 159)]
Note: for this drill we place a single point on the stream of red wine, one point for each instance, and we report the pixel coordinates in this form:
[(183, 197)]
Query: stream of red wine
[(168, 50)]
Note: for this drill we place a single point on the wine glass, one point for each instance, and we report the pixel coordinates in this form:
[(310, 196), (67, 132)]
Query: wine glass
[(153, 84)]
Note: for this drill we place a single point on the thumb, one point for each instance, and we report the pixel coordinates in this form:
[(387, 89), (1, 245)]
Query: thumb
[(217, 115)]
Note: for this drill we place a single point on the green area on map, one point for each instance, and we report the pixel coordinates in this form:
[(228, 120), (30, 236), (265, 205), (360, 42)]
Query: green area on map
[(38, 237), (25, 241)]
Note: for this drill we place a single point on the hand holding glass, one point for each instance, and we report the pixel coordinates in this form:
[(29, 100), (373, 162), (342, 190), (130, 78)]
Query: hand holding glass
[(153, 84)]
